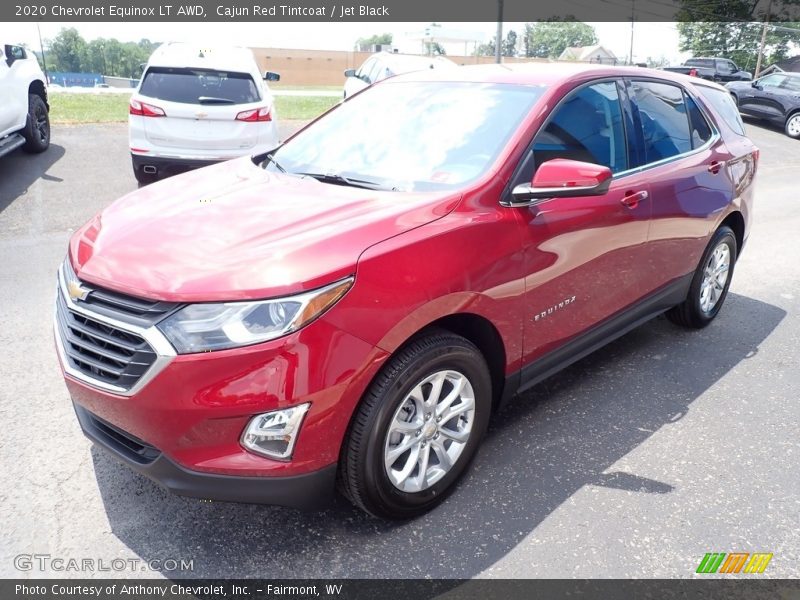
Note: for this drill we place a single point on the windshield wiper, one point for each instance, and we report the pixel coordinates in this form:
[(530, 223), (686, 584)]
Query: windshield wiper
[(213, 100), (270, 158), (338, 179)]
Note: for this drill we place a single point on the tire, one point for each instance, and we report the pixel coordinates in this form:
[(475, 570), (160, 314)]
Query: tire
[(37, 126), (366, 459), (735, 100), (706, 296), (792, 126)]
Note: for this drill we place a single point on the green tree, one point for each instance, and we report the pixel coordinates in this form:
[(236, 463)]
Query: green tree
[(365, 44), (548, 39), (738, 41), (68, 51), (509, 47)]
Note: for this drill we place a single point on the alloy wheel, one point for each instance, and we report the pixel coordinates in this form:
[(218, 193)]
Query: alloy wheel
[(715, 277), (429, 431)]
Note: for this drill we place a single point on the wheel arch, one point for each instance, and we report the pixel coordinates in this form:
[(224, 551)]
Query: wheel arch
[(735, 221), (37, 87)]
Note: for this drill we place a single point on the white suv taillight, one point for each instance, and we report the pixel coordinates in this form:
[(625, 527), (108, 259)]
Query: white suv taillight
[(255, 114), (145, 110)]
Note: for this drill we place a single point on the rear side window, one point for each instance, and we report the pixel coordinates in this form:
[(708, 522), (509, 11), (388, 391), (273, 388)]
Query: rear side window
[(199, 86), (723, 104), (587, 127), (698, 126), (665, 124)]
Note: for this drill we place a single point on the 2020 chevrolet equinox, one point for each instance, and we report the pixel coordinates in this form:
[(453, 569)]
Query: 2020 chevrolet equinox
[(347, 310)]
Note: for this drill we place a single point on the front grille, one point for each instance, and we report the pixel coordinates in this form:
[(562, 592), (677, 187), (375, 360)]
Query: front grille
[(99, 351), (137, 311)]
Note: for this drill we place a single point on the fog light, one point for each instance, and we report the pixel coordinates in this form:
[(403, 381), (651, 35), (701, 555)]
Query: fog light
[(274, 433)]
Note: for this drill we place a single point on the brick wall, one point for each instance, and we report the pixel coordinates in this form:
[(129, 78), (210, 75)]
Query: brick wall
[(326, 67)]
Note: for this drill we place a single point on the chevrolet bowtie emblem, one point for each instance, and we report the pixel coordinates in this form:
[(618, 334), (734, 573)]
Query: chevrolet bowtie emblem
[(77, 291)]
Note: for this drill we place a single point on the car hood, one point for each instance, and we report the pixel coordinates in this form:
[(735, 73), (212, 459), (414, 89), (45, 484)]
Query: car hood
[(234, 231)]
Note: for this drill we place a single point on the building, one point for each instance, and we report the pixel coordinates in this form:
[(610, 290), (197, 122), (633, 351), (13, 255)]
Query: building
[(590, 54)]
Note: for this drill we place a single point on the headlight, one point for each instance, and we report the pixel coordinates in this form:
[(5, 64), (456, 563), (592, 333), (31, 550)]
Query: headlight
[(206, 327)]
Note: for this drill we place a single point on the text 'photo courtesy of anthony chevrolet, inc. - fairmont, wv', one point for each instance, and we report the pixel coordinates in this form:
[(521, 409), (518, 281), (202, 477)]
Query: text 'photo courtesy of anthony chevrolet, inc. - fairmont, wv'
[(457, 300)]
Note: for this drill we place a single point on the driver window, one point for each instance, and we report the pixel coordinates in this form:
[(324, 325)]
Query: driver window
[(586, 127), (363, 72)]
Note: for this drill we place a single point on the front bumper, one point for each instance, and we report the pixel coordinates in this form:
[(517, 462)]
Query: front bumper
[(309, 491)]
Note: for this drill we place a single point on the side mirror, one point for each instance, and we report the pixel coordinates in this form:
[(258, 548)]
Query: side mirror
[(563, 178), (271, 76), (350, 73), (755, 84), (14, 53)]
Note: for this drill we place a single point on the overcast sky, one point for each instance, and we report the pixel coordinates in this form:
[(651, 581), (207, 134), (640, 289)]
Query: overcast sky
[(650, 39)]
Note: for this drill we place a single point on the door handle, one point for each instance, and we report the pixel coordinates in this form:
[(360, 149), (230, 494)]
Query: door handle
[(714, 167), (631, 199)]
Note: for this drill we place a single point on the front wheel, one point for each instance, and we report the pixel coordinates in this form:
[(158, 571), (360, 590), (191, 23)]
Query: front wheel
[(710, 283), (793, 126), (417, 427), (37, 126)]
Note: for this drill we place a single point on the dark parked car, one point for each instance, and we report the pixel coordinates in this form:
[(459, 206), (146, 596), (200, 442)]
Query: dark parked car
[(351, 308), (713, 69), (775, 98)]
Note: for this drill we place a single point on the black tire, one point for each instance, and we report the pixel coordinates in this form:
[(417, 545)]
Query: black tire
[(37, 126), (689, 313), (142, 177), (362, 476), (792, 126)]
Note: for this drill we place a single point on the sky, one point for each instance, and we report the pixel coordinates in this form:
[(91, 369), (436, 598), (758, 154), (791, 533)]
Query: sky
[(650, 39)]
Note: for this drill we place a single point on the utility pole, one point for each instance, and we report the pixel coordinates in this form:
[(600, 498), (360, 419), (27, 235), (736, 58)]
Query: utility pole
[(763, 40), (41, 47), (498, 43), (630, 56)]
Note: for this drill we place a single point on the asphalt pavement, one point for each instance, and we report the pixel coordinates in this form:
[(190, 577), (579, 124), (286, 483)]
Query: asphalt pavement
[(634, 462)]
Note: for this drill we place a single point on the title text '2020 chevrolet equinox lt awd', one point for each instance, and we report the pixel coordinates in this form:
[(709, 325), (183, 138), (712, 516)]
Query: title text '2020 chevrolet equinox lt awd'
[(349, 309)]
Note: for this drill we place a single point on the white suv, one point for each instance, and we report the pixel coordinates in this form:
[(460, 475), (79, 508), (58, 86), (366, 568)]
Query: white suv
[(24, 112), (195, 106)]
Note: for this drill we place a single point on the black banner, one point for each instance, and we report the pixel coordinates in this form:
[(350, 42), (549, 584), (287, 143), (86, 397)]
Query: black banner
[(396, 10), (734, 588)]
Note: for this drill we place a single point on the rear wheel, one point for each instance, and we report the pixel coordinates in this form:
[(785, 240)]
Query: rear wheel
[(710, 283), (37, 126), (792, 127), (417, 427)]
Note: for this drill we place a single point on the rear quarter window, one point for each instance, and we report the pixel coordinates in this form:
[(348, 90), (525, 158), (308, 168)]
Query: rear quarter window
[(189, 86), (724, 106)]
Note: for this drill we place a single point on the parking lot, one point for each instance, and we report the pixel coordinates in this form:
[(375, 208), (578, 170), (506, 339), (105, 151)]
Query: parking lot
[(634, 462)]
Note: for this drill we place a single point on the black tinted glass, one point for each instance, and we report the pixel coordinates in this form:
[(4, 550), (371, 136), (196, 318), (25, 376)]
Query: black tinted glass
[(664, 121), (190, 85), (586, 127)]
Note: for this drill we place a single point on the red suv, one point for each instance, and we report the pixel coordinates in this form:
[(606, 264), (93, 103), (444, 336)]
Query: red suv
[(349, 309)]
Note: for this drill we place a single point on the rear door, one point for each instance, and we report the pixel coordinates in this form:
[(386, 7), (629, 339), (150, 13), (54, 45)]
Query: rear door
[(686, 163), (583, 255), (200, 106)]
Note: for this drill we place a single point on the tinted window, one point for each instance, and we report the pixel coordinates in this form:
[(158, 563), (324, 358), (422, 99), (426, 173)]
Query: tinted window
[(412, 136), (722, 102), (771, 80), (792, 84), (191, 86), (700, 129), (587, 127), (665, 124)]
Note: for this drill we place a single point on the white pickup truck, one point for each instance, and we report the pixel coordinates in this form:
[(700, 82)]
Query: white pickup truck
[(24, 112)]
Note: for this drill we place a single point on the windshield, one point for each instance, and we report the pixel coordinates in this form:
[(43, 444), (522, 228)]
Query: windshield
[(410, 136), (199, 86)]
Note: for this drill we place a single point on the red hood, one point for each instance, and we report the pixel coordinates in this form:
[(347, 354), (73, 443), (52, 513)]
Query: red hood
[(234, 231)]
